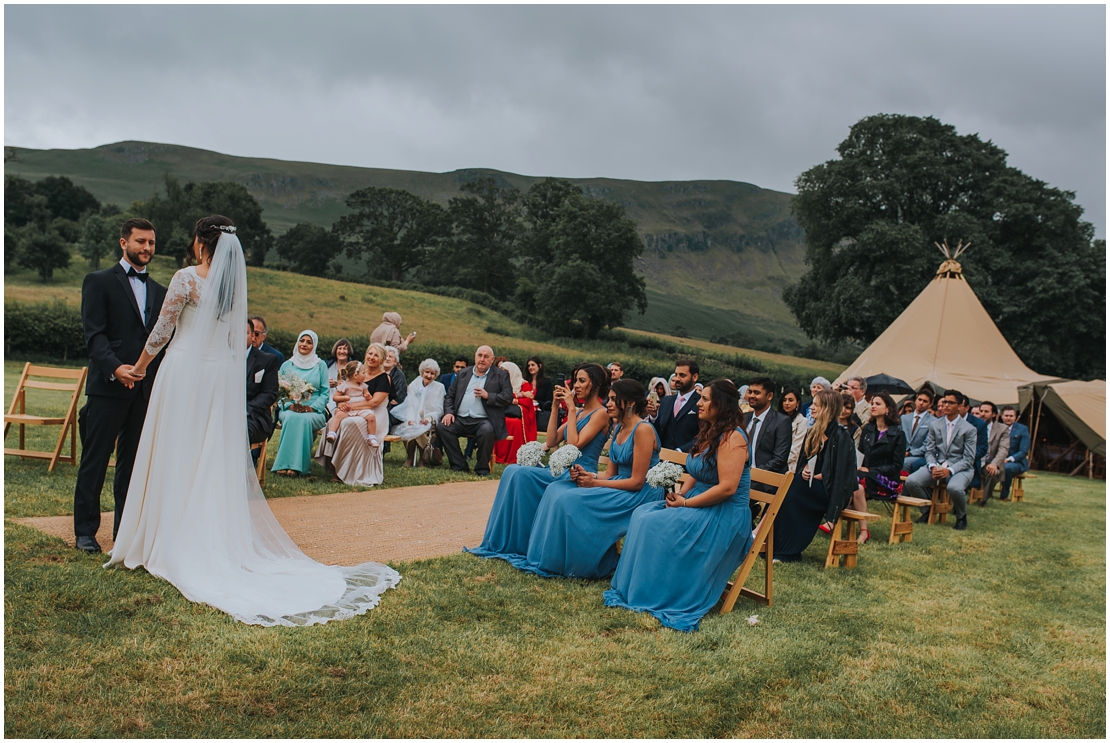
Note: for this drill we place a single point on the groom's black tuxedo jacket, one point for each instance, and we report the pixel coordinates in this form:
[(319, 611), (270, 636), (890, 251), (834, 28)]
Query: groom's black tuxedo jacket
[(677, 431), (262, 392), (114, 330)]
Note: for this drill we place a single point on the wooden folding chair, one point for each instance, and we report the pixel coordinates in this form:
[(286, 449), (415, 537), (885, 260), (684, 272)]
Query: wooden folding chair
[(940, 505), (68, 422), (847, 548), (260, 468), (763, 540)]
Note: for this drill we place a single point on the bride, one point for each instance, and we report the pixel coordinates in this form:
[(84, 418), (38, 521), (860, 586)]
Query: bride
[(195, 513)]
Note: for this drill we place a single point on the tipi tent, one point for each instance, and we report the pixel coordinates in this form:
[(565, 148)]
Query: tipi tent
[(947, 339), (1080, 406)]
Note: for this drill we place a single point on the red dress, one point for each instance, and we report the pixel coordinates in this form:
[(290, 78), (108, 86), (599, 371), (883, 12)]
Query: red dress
[(521, 429)]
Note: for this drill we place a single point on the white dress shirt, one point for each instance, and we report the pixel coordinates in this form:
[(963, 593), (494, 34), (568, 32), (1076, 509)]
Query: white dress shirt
[(472, 406), (137, 287)]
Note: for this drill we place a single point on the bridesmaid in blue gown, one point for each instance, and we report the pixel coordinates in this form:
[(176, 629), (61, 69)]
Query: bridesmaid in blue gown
[(679, 555), (521, 488), (580, 520)]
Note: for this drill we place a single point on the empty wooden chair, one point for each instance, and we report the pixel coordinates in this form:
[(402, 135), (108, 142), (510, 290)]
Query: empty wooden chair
[(1017, 493), (17, 411)]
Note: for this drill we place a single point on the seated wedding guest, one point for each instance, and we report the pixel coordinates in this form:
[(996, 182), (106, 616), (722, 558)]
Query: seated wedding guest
[(447, 378), (258, 339), (392, 367), (616, 371), (883, 444), (388, 333), (300, 420), (677, 419), (1017, 461), (475, 406), (857, 388), (521, 488), (848, 417), (680, 553), (423, 406), (790, 406), (657, 389), (520, 417), (907, 407), (818, 384), (351, 390), (580, 520), (770, 433), (745, 408), (949, 458), (824, 480), (341, 353), (354, 457), (543, 389), (998, 448), (982, 433), (262, 392), (916, 427)]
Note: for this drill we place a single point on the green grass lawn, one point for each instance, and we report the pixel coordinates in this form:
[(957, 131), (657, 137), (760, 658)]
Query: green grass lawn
[(998, 631)]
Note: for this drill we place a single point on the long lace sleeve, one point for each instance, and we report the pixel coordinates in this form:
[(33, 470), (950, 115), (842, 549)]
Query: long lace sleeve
[(182, 289)]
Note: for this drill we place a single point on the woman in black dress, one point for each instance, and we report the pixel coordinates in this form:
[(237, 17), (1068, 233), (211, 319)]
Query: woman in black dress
[(824, 479), (883, 445), (543, 389)]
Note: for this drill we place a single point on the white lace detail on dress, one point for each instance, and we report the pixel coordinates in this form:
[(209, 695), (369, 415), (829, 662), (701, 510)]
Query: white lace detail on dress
[(183, 289)]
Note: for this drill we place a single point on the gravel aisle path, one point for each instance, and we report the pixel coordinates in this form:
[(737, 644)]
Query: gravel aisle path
[(394, 524)]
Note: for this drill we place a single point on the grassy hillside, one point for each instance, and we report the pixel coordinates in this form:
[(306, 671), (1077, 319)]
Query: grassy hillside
[(292, 302), (719, 244)]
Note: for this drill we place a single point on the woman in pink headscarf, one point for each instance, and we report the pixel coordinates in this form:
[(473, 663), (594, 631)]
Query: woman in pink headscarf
[(389, 333)]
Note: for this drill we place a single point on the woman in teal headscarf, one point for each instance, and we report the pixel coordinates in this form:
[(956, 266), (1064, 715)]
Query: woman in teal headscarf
[(300, 420)]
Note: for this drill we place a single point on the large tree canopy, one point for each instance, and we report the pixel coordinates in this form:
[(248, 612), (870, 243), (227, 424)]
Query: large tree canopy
[(391, 229), (903, 183)]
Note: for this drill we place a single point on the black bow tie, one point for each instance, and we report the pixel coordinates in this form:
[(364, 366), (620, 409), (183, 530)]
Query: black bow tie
[(132, 273)]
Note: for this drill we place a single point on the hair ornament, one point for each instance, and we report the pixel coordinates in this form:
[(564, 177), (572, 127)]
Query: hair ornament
[(229, 229)]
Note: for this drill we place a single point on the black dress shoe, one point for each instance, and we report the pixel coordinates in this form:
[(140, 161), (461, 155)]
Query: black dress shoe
[(88, 544), (1004, 500), (924, 518), (961, 524), (983, 503)]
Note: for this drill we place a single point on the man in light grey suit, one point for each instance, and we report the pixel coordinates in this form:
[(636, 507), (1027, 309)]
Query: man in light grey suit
[(916, 427), (949, 458), (998, 448)]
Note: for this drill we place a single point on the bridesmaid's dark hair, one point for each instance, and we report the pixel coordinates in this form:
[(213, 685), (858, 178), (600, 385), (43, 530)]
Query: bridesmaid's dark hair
[(208, 231), (724, 405), (628, 393), (599, 378)]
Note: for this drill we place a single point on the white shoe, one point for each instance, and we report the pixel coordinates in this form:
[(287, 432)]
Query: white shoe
[(331, 436), (373, 441)]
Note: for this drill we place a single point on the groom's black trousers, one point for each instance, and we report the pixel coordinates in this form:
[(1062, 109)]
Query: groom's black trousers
[(100, 423)]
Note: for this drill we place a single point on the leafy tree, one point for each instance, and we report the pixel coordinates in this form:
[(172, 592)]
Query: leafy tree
[(392, 230), (18, 193), (99, 238), (578, 274), (479, 254), (307, 248), (44, 252), (902, 183), (64, 199)]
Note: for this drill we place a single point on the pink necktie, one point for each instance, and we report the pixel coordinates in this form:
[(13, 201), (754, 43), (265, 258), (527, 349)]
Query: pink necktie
[(677, 404)]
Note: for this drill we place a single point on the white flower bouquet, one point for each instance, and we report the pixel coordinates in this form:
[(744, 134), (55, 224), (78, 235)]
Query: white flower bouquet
[(664, 475), (294, 387), (530, 454), (562, 458)]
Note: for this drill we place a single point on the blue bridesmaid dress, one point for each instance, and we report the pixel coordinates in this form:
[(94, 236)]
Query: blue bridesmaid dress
[(576, 529), (677, 561), (518, 496)]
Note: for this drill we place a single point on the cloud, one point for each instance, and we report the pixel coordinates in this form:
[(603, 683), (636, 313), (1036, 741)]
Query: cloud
[(749, 93)]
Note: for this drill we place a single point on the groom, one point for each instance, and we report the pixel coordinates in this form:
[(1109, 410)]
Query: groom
[(119, 307)]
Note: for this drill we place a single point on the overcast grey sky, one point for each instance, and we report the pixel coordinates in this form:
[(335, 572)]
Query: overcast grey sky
[(748, 93)]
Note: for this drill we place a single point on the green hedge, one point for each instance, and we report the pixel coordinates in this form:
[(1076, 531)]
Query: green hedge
[(43, 329)]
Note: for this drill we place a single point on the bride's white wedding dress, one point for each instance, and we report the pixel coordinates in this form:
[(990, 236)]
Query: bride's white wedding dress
[(195, 514)]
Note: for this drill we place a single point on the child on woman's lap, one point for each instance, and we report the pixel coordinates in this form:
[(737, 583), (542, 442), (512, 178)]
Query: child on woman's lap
[(352, 389)]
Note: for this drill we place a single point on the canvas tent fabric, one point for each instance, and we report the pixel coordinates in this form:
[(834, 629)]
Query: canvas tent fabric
[(1080, 406), (945, 338)]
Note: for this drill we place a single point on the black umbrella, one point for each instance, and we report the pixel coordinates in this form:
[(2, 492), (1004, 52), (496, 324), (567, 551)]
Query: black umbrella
[(888, 384)]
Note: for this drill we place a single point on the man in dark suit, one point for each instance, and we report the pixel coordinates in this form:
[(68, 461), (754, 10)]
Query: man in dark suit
[(119, 307), (676, 418), (262, 392), (949, 458), (258, 339), (916, 426), (448, 378), (475, 406), (769, 431), (982, 431), (1017, 461)]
